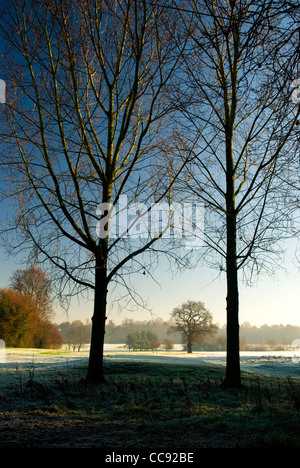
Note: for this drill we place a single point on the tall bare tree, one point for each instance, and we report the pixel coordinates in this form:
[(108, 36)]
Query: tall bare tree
[(239, 125), (86, 116)]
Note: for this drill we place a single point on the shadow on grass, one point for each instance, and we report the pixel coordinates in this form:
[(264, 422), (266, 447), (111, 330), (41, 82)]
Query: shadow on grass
[(147, 405)]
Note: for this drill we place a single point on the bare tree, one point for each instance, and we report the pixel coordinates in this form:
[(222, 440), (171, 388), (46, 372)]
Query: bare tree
[(86, 116), (34, 282), (239, 126), (168, 344), (75, 334), (193, 321)]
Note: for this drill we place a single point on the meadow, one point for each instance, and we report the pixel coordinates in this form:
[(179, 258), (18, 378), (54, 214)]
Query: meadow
[(151, 400)]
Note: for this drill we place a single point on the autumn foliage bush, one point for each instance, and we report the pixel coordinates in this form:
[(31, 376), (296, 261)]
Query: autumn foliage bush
[(21, 324)]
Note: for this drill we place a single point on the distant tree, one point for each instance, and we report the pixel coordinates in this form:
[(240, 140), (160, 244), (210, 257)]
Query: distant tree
[(34, 282), (168, 344), (144, 340), (75, 334), (118, 333), (193, 321), (21, 324), (154, 343), (131, 341), (48, 336), (19, 319)]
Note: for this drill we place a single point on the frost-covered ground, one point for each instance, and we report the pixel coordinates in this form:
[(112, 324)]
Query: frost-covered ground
[(274, 363), (44, 405)]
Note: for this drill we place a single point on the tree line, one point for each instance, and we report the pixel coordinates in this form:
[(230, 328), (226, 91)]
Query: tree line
[(77, 333)]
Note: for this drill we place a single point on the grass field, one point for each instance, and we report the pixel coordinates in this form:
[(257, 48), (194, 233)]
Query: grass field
[(145, 404)]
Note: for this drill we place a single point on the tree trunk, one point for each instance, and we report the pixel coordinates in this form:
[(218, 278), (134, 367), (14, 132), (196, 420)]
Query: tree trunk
[(189, 347), (95, 373), (233, 377)]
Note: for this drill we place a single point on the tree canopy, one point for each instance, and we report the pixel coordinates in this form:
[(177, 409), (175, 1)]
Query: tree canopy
[(142, 341), (34, 282), (21, 324), (193, 321), (87, 125)]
